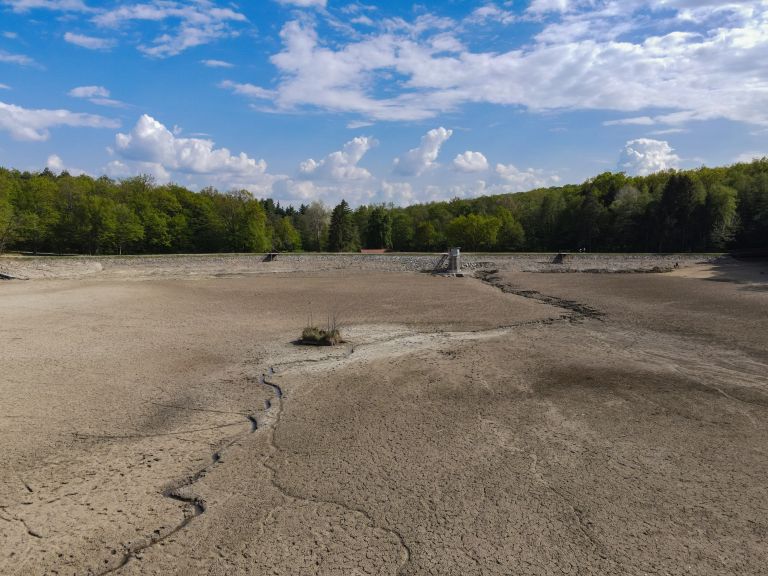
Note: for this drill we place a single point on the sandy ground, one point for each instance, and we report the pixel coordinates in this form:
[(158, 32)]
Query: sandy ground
[(518, 423)]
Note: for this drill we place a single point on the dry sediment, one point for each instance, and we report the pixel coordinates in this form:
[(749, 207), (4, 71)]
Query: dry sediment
[(546, 423), (113, 390)]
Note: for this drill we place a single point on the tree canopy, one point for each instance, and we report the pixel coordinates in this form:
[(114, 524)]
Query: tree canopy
[(674, 211)]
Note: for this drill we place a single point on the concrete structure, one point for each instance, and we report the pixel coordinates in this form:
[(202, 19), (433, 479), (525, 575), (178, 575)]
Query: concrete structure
[(454, 261)]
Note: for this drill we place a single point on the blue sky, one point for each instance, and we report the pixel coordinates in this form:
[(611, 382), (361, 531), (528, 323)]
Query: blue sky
[(305, 100)]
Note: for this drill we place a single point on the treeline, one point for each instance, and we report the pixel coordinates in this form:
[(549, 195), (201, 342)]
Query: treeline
[(674, 211)]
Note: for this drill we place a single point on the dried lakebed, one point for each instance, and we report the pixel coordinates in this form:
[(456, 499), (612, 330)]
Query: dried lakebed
[(531, 423)]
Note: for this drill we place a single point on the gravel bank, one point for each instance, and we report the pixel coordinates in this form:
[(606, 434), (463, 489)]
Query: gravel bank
[(208, 265)]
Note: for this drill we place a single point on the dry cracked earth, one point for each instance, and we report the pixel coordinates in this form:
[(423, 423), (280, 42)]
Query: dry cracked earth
[(513, 423)]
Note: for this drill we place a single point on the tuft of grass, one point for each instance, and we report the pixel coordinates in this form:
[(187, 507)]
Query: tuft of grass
[(329, 336), (320, 337)]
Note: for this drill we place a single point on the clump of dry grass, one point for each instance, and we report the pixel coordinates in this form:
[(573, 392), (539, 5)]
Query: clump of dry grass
[(328, 336)]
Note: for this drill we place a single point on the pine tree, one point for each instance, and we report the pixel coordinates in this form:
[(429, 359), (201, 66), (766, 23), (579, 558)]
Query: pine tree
[(379, 230), (342, 236)]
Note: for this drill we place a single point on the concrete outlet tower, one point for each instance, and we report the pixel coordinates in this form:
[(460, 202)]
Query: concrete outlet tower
[(454, 260)]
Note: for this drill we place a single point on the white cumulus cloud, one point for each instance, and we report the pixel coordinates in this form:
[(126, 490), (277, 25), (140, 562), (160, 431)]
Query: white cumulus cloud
[(34, 124), (56, 164), (517, 180), (151, 142), (399, 193), (645, 156), (750, 156), (418, 160), (117, 169), (470, 162), (342, 164), (291, 191)]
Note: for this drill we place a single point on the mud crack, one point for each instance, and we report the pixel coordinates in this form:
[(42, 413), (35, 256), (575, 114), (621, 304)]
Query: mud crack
[(13, 518), (194, 506), (582, 522), (406, 551)]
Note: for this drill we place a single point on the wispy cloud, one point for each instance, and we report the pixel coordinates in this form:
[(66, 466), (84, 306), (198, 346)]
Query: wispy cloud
[(89, 42), (579, 61), (249, 90), (183, 25), (304, 3), (197, 23), (636, 121), (356, 124), (109, 102), (58, 5), (217, 64), (89, 92), (98, 95), (667, 131), (492, 13), (35, 124), (18, 59)]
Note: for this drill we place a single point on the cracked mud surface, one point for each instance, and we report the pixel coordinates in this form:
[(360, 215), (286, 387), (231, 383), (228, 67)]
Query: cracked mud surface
[(476, 428)]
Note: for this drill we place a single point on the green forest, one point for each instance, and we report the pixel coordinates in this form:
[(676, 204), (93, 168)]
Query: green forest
[(707, 209)]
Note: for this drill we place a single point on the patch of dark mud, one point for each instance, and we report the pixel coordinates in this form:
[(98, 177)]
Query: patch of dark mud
[(317, 343), (654, 270), (756, 288), (4, 276), (220, 275), (668, 390), (574, 377), (578, 310)]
